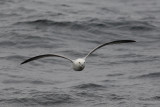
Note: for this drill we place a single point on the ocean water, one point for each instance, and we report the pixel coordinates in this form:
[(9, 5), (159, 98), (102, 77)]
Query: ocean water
[(124, 75)]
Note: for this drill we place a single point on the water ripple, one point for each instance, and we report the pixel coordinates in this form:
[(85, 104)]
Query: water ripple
[(149, 75), (91, 86), (40, 98)]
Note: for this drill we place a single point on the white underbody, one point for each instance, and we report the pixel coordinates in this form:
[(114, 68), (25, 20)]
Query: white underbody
[(79, 64)]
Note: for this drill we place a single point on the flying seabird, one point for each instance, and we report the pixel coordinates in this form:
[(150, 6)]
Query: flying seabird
[(79, 63)]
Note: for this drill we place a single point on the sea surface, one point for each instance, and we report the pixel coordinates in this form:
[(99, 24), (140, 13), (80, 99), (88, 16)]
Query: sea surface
[(120, 75)]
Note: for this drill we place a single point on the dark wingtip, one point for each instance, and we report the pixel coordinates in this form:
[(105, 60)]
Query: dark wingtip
[(22, 63), (132, 40), (126, 41), (122, 41)]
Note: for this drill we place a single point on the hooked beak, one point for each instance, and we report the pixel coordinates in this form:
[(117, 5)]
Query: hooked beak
[(81, 65)]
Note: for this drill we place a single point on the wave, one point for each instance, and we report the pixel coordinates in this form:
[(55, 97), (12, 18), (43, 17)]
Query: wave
[(19, 40), (38, 82), (115, 97), (3, 2), (46, 22), (89, 86), (89, 95), (29, 44), (11, 75), (88, 24), (154, 98), (149, 75), (135, 26), (30, 81), (13, 57), (115, 74), (40, 98), (7, 43), (157, 98)]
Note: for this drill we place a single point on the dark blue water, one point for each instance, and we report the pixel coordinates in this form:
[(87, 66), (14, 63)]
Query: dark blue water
[(125, 75)]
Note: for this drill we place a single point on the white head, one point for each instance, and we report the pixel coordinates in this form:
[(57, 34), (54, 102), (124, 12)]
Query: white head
[(79, 64)]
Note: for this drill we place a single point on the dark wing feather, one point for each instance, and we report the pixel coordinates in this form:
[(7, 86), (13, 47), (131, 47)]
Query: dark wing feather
[(45, 55), (110, 43)]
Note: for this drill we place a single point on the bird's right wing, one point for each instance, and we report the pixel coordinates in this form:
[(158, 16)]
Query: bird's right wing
[(45, 55), (110, 43)]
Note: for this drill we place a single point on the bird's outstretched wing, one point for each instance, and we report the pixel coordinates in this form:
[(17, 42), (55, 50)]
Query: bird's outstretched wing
[(110, 43), (45, 55)]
